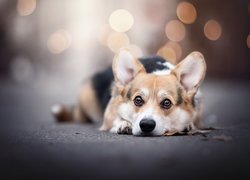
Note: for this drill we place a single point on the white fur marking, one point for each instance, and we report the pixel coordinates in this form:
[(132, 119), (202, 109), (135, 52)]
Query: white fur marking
[(162, 72), (55, 109), (126, 111), (169, 65), (162, 93), (167, 71), (145, 91)]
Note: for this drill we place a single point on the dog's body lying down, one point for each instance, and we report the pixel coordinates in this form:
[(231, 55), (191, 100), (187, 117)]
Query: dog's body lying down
[(147, 96)]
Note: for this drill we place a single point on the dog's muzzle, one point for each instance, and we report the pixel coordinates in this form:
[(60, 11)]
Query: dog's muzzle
[(147, 125)]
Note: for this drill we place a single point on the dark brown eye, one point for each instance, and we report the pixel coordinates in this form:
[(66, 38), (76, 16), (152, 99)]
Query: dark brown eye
[(138, 101), (166, 104)]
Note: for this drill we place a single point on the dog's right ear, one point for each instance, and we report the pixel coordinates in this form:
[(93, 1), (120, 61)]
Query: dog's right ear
[(126, 67), (191, 71)]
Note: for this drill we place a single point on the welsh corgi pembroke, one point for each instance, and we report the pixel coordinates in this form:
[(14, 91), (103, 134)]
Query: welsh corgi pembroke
[(141, 96)]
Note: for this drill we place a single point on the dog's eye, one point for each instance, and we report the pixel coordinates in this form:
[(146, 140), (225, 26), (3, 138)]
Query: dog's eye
[(166, 104), (138, 101)]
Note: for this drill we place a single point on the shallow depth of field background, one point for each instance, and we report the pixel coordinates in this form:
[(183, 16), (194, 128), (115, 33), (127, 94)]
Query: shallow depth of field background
[(60, 43), (49, 47)]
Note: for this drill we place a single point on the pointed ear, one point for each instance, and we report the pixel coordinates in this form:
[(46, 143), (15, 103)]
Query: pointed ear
[(126, 67), (191, 71)]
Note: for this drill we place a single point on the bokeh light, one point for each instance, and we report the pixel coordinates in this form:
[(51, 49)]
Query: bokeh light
[(175, 31), (212, 30), (186, 12), (117, 40), (248, 41), (167, 53), (176, 47), (26, 7), (121, 20), (135, 50), (59, 41)]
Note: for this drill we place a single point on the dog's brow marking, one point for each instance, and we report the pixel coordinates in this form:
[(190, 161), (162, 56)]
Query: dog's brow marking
[(179, 96), (129, 93), (193, 101), (162, 94), (144, 92)]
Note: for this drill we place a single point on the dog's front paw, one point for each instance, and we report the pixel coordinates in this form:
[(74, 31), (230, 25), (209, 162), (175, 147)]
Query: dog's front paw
[(122, 127), (125, 130)]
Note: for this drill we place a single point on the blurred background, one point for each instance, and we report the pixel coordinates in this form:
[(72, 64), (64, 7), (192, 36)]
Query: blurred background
[(48, 47), (63, 41)]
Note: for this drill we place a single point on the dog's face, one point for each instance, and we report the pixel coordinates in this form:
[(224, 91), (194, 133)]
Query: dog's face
[(158, 104)]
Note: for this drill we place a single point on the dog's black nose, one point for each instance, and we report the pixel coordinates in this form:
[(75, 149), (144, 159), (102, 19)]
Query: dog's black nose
[(147, 125)]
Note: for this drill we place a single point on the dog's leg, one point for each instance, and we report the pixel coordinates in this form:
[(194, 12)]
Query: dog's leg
[(85, 110), (64, 113), (89, 103), (112, 121)]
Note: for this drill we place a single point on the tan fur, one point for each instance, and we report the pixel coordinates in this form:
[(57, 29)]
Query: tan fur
[(111, 113), (86, 108), (154, 84), (89, 104)]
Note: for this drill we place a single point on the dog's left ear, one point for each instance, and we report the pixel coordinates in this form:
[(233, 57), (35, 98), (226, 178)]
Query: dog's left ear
[(191, 71), (126, 67)]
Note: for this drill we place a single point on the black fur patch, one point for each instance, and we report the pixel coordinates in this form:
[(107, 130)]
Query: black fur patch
[(154, 63), (129, 93), (101, 83)]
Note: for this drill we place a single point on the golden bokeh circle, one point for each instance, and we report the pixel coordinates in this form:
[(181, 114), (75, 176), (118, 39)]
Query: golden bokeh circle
[(116, 41), (176, 47), (26, 7), (175, 30), (186, 12), (212, 30), (59, 41), (121, 20), (167, 53)]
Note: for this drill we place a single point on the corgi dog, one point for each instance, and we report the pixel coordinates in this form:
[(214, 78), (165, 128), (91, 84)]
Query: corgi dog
[(141, 96)]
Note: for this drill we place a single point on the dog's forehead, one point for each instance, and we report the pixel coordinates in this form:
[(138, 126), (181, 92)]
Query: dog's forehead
[(157, 83)]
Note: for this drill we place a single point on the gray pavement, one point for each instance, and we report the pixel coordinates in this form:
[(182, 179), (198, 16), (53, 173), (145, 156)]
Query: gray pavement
[(33, 146)]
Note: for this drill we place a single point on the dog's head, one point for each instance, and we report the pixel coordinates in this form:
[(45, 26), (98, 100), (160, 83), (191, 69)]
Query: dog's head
[(158, 104)]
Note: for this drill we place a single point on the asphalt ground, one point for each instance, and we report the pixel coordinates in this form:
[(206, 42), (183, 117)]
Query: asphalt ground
[(34, 146)]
